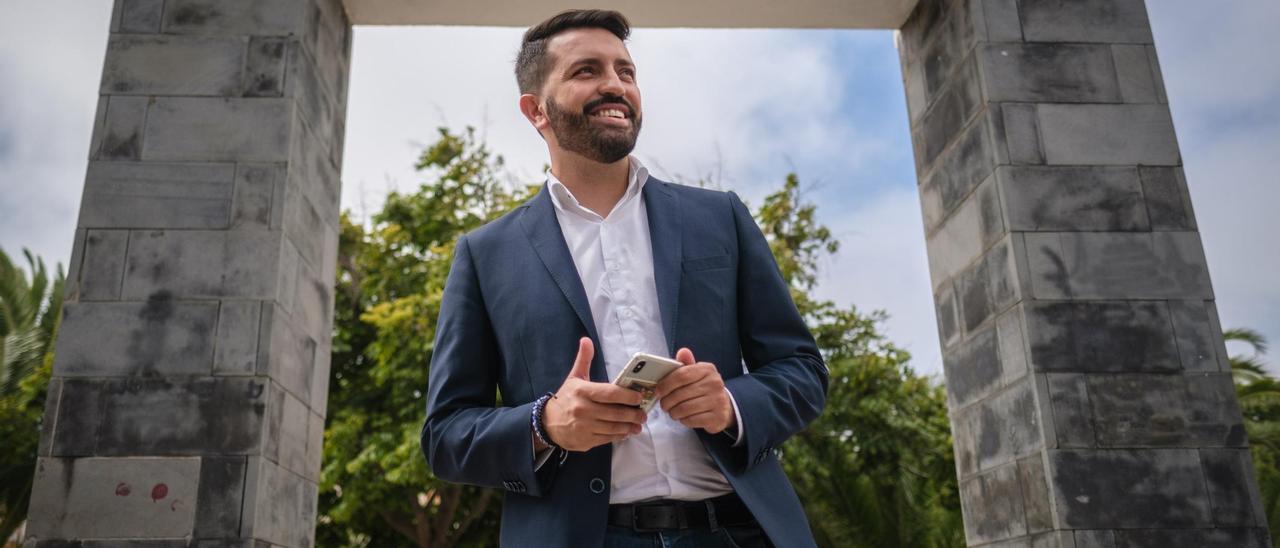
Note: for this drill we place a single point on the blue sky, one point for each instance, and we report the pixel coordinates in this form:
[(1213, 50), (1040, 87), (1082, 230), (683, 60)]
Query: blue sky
[(744, 107)]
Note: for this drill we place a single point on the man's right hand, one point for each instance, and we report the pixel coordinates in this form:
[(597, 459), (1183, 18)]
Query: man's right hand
[(585, 414)]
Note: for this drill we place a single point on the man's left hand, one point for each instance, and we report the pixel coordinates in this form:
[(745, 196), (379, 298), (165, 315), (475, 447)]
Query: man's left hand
[(695, 395)]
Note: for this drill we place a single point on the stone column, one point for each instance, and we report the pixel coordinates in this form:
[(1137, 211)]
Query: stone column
[(188, 399), (1090, 393)]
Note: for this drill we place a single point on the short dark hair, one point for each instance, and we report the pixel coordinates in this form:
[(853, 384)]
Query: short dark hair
[(533, 63)]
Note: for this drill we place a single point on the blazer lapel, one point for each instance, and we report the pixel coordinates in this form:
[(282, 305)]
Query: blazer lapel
[(543, 230), (663, 209)]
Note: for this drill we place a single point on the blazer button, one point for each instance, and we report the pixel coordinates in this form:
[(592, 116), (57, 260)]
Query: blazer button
[(596, 485)]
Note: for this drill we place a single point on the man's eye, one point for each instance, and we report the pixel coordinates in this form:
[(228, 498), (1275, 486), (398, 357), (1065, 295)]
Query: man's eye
[(583, 70)]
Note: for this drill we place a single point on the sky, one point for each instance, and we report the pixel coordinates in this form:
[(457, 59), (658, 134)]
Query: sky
[(741, 108)]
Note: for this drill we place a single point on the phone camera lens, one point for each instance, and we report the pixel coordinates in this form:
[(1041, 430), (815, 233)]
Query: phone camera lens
[(638, 367)]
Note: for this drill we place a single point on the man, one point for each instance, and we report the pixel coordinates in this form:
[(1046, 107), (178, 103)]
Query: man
[(547, 304)]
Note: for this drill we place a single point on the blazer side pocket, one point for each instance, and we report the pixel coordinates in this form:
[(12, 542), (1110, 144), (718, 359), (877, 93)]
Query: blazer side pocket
[(706, 263)]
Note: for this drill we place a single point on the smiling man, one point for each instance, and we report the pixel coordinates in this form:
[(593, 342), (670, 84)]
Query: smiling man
[(549, 302)]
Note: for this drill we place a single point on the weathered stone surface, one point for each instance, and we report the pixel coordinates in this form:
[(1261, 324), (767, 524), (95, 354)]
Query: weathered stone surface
[(988, 287), (1168, 203), (122, 128), (1001, 20), (944, 120), (974, 226), (972, 369), (1101, 337), (1035, 494), (1072, 198), (141, 16), (1145, 488), (101, 272), (1197, 337), (173, 65), (236, 351), (220, 496), (218, 129), (264, 67), (49, 417), (313, 172), (157, 195), (158, 337), (106, 498), (992, 506), (282, 17), (1002, 428), (202, 264), (1013, 346), (1045, 267), (1022, 136), (294, 428), (280, 507), (1089, 134), (961, 169), (1166, 410), (1229, 473), (1156, 265), (1133, 68), (202, 415), (948, 313), (1095, 538), (1107, 21), (286, 353), (1060, 73), (1072, 411), (1199, 538), (99, 127), (256, 204), (315, 445)]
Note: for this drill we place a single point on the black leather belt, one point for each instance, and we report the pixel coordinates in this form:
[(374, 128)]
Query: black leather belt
[(681, 514)]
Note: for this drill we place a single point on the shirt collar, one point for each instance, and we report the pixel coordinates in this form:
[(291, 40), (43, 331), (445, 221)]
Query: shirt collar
[(565, 202)]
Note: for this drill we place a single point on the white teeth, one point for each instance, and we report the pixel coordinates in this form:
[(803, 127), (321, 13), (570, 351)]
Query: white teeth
[(612, 113)]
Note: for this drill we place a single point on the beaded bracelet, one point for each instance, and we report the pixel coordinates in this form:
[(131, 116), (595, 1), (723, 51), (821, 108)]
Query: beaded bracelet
[(539, 429)]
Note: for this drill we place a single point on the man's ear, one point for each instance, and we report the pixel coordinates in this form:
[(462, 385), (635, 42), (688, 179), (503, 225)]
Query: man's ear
[(531, 108)]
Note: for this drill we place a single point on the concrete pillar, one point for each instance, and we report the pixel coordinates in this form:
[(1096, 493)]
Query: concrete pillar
[(1091, 399), (188, 398)]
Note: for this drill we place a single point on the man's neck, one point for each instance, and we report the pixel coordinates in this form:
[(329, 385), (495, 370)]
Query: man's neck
[(596, 186)]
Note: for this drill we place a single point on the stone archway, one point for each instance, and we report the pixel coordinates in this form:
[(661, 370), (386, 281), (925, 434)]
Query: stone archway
[(1091, 400)]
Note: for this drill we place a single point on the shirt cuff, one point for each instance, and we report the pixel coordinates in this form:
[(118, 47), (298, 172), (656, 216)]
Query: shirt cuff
[(737, 417), (539, 457)]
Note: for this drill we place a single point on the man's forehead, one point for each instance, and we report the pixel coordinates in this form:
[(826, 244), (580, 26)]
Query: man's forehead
[(587, 43)]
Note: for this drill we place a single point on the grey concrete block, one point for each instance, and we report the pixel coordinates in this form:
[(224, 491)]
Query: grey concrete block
[(1097, 538), (1107, 21), (113, 543), (1155, 265), (972, 369), (173, 65), (1045, 267), (1168, 202), (1166, 411), (987, 288), (49, 418), (314, 84), (960, 170), (280, 506), (220, 495), (264, 67), (1157, 75), (1035, 494), (236, 347), (1059, 73), (157, 195), (255, 190), (944, 121), (1108, 135), (1022, 136), (313, 171), (141, 16), (202, 264), (315, 445), (285, 352), (1098, 337), (304, 226), (113, 498), (320, 377), (1001, 17), (948, 312), (1072, 412), (1013, 346), (1199, 538), (1133, 69), (947, 48), (159, 337), (294, 430), (1112, 489), (313, 303), (283, 17), (1198, 339), (956, 243), (99, 127), (219, 129), (76, 431), (1229, 474), (201, 415), (992, 506), (1072, 198), (102, 271), (1006, 426), (925, 23), (122, 128)]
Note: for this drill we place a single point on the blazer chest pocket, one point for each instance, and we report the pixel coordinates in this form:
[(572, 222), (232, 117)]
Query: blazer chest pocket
[(706, 263)]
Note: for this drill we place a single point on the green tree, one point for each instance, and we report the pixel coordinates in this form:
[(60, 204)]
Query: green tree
[(29, 313), (1259, 396)]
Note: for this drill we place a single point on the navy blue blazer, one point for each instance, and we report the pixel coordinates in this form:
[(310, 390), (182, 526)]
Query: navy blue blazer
[(514, 309)]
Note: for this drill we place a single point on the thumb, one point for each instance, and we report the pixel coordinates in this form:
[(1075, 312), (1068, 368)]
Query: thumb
[(685, 356), (582, 364)]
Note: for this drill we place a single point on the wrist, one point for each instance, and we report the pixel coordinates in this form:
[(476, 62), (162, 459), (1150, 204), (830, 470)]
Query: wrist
[(541, 439)]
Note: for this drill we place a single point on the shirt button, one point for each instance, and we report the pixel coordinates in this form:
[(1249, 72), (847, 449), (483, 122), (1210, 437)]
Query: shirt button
[(596, 485)]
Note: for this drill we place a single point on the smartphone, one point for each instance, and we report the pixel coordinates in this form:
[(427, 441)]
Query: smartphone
[(643, 373)]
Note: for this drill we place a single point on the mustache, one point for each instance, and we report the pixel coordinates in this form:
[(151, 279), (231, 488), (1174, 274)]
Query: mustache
[(608, 99)]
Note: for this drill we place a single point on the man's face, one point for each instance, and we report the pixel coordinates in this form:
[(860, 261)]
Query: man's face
[(591, 100)]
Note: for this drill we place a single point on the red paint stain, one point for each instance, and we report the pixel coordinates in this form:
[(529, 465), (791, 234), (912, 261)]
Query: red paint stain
[(159, 491), (123, 489)]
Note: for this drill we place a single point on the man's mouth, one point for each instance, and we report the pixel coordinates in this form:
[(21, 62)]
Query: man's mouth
[(610, 113)]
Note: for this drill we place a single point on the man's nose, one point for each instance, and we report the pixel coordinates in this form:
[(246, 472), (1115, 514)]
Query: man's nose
[(612, 85)]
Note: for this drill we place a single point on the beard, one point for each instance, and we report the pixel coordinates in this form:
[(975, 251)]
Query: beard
[(575, 132)]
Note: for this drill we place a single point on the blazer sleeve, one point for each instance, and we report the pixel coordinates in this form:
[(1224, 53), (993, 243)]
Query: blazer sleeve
[(787, 385), (467, 438)]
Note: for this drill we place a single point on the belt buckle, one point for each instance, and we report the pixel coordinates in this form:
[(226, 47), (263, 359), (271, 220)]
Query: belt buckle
[(680, 520)]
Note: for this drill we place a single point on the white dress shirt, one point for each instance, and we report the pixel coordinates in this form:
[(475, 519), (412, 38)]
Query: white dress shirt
[(614, 259)]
